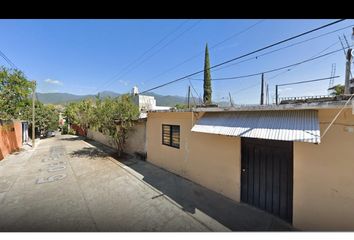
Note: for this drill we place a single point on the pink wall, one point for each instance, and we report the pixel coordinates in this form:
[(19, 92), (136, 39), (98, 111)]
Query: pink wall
[(10, 138)]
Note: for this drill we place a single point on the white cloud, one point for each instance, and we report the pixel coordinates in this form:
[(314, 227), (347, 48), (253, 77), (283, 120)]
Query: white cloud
[(51, 81)]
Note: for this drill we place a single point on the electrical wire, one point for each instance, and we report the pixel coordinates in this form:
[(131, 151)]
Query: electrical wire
[(247, 54), (337, 115), (306, 81), (143, 54), (272, 70), (268, 79), (201, 52), (150, 56), (3, 55), (282, 48)]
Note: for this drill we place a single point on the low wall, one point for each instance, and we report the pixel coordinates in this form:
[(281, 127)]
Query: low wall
[(136, 141), (10, 138)]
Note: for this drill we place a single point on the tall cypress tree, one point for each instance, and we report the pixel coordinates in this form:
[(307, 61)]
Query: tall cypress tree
[(207, 78)]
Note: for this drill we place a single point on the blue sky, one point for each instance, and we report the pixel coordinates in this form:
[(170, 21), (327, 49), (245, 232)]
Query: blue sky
[(87, 56)]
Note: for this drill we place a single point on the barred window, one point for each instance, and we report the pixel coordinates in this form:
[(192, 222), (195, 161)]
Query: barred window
[(170, 135)]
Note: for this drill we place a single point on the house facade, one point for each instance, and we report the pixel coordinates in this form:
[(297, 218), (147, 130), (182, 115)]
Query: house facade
[(281, 159)]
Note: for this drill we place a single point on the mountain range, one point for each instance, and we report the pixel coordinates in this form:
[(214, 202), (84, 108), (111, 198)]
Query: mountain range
[(63, 98)]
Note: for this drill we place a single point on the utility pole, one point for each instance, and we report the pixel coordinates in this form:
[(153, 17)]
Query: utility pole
[(189, 93), (231, 103), (262, 90), (347, 71), (276, 94), (267, 94), (33, 112)]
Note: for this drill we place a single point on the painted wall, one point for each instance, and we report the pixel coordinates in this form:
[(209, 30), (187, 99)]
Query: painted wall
[(135, 142), (324, 177), (210, 160), (10, 138)]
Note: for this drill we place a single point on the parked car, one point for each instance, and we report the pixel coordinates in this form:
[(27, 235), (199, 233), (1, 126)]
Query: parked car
[(50, 134)]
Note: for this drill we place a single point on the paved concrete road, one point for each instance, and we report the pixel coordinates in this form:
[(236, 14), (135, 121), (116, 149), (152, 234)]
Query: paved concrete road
[(66, 184)]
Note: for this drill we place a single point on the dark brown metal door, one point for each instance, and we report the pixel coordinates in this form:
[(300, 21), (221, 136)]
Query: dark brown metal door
[(267, 176)]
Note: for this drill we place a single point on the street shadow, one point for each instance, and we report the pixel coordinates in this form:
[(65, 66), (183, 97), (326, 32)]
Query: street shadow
[(192, 197), (89, 152)]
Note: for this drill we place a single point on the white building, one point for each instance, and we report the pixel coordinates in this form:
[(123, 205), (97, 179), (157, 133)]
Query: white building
[(146, 103)]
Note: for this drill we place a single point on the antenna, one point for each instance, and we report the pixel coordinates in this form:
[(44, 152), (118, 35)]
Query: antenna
[(348, 46), (345, 54), (231, 102), (333, 73)]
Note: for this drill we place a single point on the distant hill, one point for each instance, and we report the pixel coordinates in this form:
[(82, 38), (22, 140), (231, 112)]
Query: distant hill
[(62, 98)]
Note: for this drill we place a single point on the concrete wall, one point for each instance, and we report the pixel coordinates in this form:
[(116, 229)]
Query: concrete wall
[(210, 160), (10, 138), (100, 137), (324, 177), (136, 141), (136, 138)]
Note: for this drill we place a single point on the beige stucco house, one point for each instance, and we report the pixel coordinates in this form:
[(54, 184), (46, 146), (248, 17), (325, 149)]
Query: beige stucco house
[(278, 158)]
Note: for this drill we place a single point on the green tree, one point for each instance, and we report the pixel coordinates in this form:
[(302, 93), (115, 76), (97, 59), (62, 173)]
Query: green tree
[(115, 117), (181, 106), (14, 93), (80, 113), (207, 78), (337, 90), (46, 117)]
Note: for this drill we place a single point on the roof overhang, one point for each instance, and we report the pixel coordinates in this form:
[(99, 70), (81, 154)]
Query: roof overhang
[(283, 125)]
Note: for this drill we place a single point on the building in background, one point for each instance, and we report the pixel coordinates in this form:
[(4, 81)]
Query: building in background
[(146, 103)]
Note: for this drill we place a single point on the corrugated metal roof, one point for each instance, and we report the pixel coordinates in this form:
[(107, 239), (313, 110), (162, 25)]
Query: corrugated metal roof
[(287, 125)]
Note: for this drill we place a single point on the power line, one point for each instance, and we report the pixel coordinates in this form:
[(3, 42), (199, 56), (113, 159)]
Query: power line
[(285, 47), (307, 81), (273, 70), (153, 54), (281, 73), (277, 74), (8, 60), (144, 53), (247, 54), (212, 47), (268, 79), (198, 95)]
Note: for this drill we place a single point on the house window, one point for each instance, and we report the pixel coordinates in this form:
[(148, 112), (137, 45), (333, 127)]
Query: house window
[(170, 135)]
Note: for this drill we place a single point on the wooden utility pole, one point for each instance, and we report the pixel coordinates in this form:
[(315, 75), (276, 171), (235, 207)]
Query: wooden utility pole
[(276, 94), (33, 113), (189, 94), (347, 71)]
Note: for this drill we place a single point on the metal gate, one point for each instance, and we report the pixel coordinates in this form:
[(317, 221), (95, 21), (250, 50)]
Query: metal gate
[(267, 176)]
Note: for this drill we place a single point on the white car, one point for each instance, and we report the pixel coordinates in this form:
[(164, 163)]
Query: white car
[(50, 134)]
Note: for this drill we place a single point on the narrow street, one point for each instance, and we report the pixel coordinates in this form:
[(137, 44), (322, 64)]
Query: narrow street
[(67, 184)]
